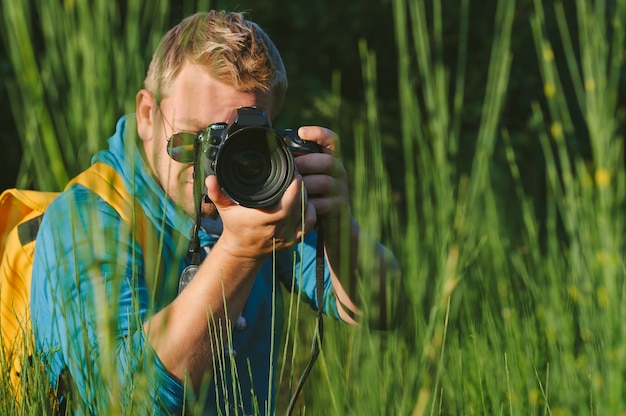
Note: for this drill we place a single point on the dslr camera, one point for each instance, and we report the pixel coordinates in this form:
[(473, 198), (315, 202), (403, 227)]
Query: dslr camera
[(254, 163)]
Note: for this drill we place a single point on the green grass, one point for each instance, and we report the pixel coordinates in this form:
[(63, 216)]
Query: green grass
[(512, 312)]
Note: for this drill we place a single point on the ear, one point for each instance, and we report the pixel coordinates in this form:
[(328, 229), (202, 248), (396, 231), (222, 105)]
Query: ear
[(145, 112)]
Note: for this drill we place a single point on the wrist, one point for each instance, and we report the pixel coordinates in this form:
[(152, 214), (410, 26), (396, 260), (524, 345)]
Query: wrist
[(240, 250)]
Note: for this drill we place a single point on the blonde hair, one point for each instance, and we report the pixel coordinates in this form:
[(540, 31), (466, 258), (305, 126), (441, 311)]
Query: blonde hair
[(234, 51)]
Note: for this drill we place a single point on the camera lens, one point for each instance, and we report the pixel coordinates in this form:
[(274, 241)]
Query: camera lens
[(250, 166), (254, 167)]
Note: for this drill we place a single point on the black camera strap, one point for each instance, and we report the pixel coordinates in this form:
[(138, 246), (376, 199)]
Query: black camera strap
[(318, 335), (195, 247)]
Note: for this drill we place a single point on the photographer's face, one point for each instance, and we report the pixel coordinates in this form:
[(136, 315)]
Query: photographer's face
[(193, 102)]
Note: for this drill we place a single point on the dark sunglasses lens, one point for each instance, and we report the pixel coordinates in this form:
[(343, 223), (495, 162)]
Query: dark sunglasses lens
[(180, 147)]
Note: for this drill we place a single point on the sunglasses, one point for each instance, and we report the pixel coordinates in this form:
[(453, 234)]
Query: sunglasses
[(181, 145)]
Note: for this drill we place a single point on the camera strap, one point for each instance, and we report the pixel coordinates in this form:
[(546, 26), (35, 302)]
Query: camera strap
[(195, 247), (318, 335)]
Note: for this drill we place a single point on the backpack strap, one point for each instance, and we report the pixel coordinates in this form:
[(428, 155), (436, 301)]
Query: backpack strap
[(18, 205), (103, 180), (27, 231)]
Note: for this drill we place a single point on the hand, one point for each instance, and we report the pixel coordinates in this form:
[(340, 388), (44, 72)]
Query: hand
[(254, 232), (325, 177)]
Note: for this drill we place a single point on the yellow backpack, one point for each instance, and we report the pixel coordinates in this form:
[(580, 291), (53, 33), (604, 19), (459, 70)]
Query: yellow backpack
[(20, 215)]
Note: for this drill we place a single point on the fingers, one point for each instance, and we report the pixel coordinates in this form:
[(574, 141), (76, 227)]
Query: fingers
[(322, 136), (320, 163), (215, 194), (326, 185), (310, 219)]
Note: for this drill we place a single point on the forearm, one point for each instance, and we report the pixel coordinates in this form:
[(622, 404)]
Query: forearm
[(186, 334), (362, 267), (193, 328)]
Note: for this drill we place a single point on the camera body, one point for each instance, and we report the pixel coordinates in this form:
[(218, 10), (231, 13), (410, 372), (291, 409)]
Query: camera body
[(254, 163)]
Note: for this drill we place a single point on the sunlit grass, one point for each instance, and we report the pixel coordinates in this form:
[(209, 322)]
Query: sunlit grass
[(510, 315)]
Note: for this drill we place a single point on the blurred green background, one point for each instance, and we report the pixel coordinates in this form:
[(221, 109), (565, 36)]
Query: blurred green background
[(319, 42)]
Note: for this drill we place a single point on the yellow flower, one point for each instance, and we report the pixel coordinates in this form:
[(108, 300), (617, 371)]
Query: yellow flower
[(590, 84), (534, 397), (603, 296), (556, 129), (549, 89), (573, 293), (602, 177), (548, 54)]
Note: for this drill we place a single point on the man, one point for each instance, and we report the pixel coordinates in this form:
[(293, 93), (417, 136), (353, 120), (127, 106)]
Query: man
[(95, 316)]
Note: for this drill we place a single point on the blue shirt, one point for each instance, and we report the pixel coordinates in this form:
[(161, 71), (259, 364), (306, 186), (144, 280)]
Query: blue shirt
[(89, 299)]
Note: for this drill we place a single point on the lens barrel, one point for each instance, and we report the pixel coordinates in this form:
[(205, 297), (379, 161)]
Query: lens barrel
[(254, 166)]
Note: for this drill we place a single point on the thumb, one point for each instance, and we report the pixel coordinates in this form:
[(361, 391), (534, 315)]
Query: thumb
[(219, 198)]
